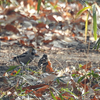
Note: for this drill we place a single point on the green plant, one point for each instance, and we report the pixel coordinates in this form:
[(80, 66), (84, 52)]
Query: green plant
[(91, 11), (4, 2)]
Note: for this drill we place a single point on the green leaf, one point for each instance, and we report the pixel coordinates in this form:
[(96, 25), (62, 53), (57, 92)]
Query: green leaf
[(81, 78), (94, 23), (86, 26), (80, 65), (96, 46), (17, 72), (73, 75), (32, 70), (67, 90), (39, 4), (93, 74), (58, 79), (61, 96), (53, 95), (82, 10), (11, 68)]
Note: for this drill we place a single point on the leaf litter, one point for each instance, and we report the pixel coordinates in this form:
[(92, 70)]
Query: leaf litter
[(63, 41)]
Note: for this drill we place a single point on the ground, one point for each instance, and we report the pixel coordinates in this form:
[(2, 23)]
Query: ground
[(59, 57)]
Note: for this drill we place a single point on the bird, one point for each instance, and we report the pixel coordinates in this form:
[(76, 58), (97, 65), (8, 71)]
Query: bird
[(26, 57), (43, 62)]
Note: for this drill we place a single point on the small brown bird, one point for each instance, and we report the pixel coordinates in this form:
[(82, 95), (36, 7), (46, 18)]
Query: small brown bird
[(43, 62), (26, 57)]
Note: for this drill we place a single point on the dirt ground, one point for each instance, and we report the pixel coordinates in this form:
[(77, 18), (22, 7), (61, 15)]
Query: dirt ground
[(59, 57)]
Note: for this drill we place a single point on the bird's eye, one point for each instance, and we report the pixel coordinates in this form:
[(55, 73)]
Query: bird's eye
[(32, 53)]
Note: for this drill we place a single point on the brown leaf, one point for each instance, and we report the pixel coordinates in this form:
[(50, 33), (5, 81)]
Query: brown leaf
[(57, 98), (34, 17), (77, 21), (30, 2), (53, 3), (41, 25), (73, 35), (96, 85), (37, 94), (67, 96), (93, 97), (34, 86), (22, 42), (9, 11), (85, 87), (14, 72), (4, 80), (47, 41), (42, 89), (87, 66), (75, 90), (10, 27), (51, 18), (45, 11), (6, 38), (63, 85), (28, 91)]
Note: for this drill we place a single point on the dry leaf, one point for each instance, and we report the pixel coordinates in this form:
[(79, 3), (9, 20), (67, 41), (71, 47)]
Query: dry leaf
[(47, 41), (75, 90), (30, 2), (49, 78), (28, 99), (41, 25), (11, 28), (13, 73), (4, 80), (42, 89), (67, 96), (87, 66), (6, 38), (37, 94), (60, 73), (33, 86), (93, 97), (85, 87), (51, 18)]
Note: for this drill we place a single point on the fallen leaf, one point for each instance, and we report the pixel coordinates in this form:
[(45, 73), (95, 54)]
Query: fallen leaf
[(51, 18), (42, 89), (87, 66), (11, 28), (41, 25), (4, 80), (49, 78), (34, 86), (75, 90), (93, 97), (37, 94), (68, 96), (13, 73), (30, 2), (85, 87), (47, 41)]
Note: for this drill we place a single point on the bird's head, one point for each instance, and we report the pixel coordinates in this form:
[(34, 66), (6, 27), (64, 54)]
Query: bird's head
[(34, 52)]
